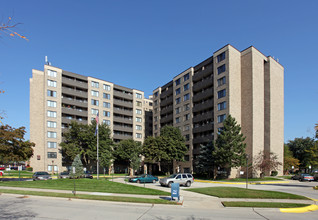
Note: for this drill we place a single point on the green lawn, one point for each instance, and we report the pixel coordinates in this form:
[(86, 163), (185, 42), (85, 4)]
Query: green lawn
[(264, 204), (90, 197), (234, 192), (89, 185)]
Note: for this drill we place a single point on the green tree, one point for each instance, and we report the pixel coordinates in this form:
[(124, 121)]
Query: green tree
[(266, 162), (173, 142), (229, 148), (304, 150), (154, 151), (204, 161), (289, 160), (129, 150), (80, 139), (78, 165), (13, 147)]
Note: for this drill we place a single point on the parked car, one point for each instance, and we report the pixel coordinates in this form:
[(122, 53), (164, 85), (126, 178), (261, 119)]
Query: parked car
[(87, 174), (303, 177), (185, 179), (2, 168), (41, 176), (145, 178), (316, 176), (64, 175)]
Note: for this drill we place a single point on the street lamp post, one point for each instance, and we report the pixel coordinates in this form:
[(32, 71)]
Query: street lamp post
[(246, 171)]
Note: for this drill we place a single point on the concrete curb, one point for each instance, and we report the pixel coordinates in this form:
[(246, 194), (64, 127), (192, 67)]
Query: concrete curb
[(241, 183), (310, 208)]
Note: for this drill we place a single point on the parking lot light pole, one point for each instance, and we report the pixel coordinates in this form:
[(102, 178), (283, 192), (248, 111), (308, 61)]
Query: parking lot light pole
[(246, 171)]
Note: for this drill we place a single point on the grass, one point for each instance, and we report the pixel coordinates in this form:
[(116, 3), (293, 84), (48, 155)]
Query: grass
[(264, 204), (234, 192), (89, 185), (90, 197)]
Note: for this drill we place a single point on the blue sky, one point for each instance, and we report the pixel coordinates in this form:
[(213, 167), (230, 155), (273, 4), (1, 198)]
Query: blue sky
[(131, 43)]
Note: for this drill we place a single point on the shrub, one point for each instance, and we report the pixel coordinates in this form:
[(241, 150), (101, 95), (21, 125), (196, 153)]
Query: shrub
[(274, 173), (29, 169)]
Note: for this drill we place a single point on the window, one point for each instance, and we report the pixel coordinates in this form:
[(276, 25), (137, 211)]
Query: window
[(94, 102), (51, 144), (186, 157), (177, 120), (186, 107), (51, 124), (221, 57), (186, 77), (51, 83), (51, 114), (178, 110), (221, 106), (95, 84), (138, 119), (107, 122), (156, 94), (139, 103), (155, 118), (106, 87), (51, 104), (178, 81), (51, 134), (94, 93), (51, 73), (106, 96), (94, 112), (221, 118), (156, 127), (138, 96), (186, 128), (106, 113), (186, 97), (178, 100), (221, 93), (186, 87), (138, 127), (106, 104), (221, 81), (156, 102), (187, 117), (51, 93), (221, 69), (138, 111), (178, 91), (51, 155), (187, 137), (138, 135)]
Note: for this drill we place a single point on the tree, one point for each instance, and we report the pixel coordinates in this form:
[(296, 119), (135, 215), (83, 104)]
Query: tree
[(80, 139), (172, 141), (205, 162), (266, 162), (8, 28), (289, 160), (13, 147), (304, 150), (78, 165), (154, 151), (316, 128), (129, 150), (229, 148)]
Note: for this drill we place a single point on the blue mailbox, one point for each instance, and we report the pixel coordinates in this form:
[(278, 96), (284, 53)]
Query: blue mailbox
[(175, 189)]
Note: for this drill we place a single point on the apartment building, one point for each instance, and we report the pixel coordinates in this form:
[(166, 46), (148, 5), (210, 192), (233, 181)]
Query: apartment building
[(246, 84), (57, 97)]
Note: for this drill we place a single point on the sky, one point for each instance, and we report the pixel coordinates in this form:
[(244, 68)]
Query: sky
[(143, 44)]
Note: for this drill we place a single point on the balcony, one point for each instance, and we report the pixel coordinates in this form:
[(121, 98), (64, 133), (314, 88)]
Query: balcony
[(203, 128), (123, 120), (122, 136), (74, 82), (202, 140), (203, 117), (166, 119), (123, 103), (69, 101), (202, 74), (203, 105), (123, 128), (123, 112), (166, 110), (71, 111), (68, 121), (74, 92), (202, 84), (166, 102), (203, 95), (123, 95)]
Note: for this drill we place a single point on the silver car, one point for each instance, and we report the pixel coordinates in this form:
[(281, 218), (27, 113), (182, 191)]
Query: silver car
[(185, 179), (41, 176)]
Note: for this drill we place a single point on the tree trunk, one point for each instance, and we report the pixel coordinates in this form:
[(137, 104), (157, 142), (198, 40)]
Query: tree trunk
[(159, 166)]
